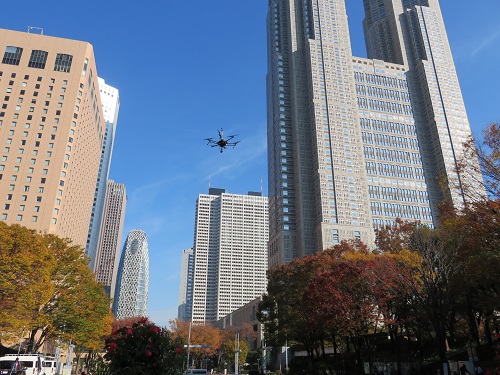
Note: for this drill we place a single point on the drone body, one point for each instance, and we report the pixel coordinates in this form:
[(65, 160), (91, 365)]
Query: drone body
[(222, 142)]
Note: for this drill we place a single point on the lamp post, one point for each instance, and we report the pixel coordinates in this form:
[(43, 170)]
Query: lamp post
[(189, 345)]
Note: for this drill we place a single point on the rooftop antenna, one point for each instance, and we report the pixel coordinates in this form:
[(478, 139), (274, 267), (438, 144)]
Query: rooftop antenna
[(261, 192), (209, 181), (35, 28)]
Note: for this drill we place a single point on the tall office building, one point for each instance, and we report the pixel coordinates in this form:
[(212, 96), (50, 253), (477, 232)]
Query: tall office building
[(108, 247), (354, 143), (132, 288), (230, 253), (51, 133), (110, 100), (186, 286)]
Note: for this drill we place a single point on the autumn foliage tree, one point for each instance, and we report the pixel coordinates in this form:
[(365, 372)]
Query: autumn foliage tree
[(205, 335), (47, 287), (26, 269)]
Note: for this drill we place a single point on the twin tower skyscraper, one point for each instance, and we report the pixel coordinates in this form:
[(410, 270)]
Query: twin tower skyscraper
[(354, 143)]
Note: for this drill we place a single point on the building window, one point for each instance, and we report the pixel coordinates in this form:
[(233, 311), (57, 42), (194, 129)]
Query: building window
[(63, 63), (38, 59), (12, 55)]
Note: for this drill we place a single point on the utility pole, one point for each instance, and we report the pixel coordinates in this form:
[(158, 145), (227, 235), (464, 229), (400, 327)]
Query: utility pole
[(236, 352), (20, 340), (286, 356)]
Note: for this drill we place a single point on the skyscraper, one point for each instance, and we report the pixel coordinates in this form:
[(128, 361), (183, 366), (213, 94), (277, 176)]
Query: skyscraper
[(110, 100), (51, 130), (186, 286), (230, 253), (108, 247), (131, 295), (354, 143)]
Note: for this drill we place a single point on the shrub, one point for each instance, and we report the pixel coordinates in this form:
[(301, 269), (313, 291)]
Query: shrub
[(143, 348)]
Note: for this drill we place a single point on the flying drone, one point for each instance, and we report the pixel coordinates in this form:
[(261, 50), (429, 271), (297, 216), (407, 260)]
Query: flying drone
[(222, 142)]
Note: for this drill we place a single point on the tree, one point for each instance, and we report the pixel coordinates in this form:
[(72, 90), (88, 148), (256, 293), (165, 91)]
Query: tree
[(205, 335), (78, 308), (426, 278), (229, 350), (480, 167), (144, 348), (476, 231), (392, 239), (47, 287), (282, 311), (26, 268)]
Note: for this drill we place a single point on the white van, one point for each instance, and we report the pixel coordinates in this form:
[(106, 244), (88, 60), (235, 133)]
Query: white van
[(49, 365), (196, 371), (28, 364)]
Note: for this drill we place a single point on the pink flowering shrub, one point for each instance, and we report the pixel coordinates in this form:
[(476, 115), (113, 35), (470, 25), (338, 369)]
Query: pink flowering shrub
[(144, 348)]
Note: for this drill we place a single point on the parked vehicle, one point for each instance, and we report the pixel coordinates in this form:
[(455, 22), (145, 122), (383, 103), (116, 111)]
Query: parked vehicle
[(22, 364)]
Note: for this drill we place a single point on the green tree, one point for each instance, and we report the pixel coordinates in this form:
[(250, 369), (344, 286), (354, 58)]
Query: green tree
[(229, 350)]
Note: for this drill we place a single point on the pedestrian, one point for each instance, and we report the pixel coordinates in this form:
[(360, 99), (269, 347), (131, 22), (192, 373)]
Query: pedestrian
[(463, 370), (16, 366)]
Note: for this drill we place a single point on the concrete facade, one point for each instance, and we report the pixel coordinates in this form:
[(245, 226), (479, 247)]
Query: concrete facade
[(110, 100), (51, 130), (230, 253), (110, 239)]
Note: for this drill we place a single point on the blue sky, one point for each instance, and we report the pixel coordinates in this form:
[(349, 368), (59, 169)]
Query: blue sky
[(185, 69)]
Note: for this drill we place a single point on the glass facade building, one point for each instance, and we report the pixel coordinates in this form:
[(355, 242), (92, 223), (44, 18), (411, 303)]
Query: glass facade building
[(131, 296), (186, 286)]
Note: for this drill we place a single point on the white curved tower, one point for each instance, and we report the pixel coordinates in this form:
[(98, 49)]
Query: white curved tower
[(131, 296)]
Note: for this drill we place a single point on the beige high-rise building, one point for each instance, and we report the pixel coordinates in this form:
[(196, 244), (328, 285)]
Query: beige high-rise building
[(108, 248), (51, 133)]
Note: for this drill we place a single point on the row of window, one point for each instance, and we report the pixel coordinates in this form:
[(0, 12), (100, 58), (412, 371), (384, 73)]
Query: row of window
[(38, 59), (396, 194), (382, 106), (19, 217), (383, 93), (387, 126), (380, 80), (392, 155)]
